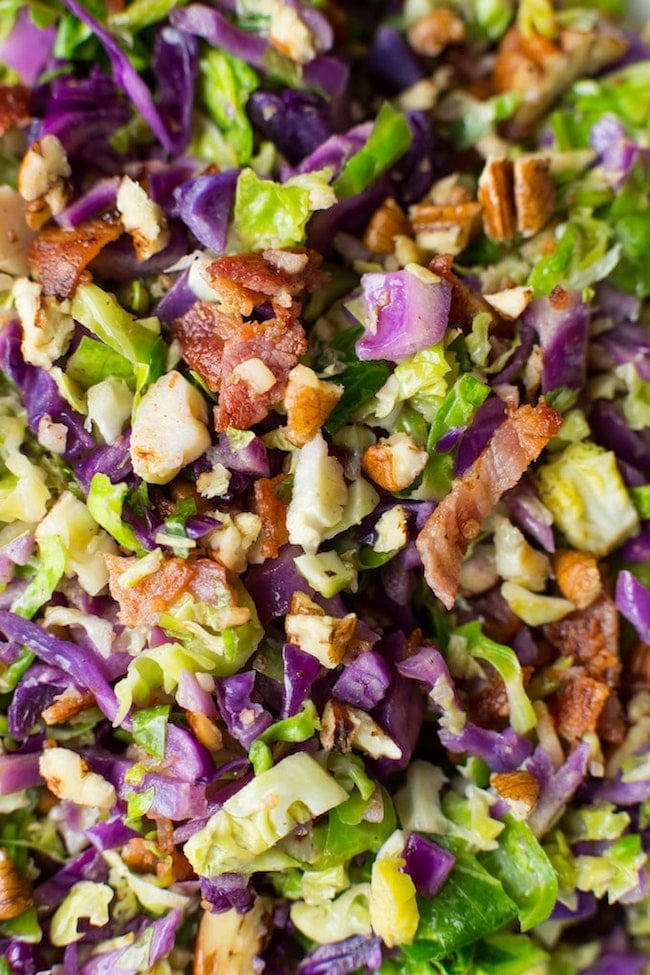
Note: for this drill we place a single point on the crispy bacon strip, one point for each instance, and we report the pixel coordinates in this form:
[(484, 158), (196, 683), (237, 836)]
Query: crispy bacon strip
[(142, 604), (278, 345), (59, 257), (465, 304), (14, 106), (273, 512), (247, 280), (457, 520)]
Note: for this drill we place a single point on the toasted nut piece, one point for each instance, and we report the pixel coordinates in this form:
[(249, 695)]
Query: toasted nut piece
[(67, 775), (68, 704), (519, 788), (15, 895), (387, 222), (496, 195), (230, 943), (43, 180), (577, 576), (448, 228), (511, 302), (343, 727), (324, 637), (534, 194), (205, 730), (432, 33), (142, 218), (308, 402), (394, 462)]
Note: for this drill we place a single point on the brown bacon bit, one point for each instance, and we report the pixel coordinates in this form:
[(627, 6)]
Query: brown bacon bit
[(246, 280), (278, 344), (591, 637), (142, 604), (67, 704), (202, 332), (14, 106), (465, 304), (612, 725), (457, 520), (577, 705), (273, 512), (578, 576), (59, 257)]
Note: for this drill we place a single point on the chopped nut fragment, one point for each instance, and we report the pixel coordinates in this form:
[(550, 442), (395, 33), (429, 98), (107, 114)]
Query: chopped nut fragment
[(435, 31), (577, 576), (232, 943), (324, 637), (343, 727), (43, 180), (519, 788), (387, 222), (15, 895), (534, 191), (205, 730), (66, 705), (394, 462), (308, 402), (496, 195), (511, 302), (446, 228)]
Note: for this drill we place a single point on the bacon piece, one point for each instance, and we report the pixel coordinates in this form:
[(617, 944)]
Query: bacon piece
[(59, 257), (14, 107), (142, 604), (247, 280), (273, 512), (202, 332), (577, 705), (591, 637), (457, 520), (465, 304), (277, 344)]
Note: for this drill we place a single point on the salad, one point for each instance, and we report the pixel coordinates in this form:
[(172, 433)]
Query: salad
[(324, 487)]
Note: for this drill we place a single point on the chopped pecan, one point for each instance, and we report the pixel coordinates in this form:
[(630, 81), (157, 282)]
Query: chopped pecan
[(519, 788), (511, 302), (387, 222), (577, 706), (541, 69), (446, 228), (67, 704), (534, 191), (308, 401), (205, 730), (344, 727), (325, 637), (578, 576), (435, 31), (15, 893), (233, 943), (43, 180), (394, 462), (496, 195)]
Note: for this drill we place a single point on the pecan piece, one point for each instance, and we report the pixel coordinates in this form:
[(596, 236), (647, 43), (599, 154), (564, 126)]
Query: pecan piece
[(496, 195), (534, 192)]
